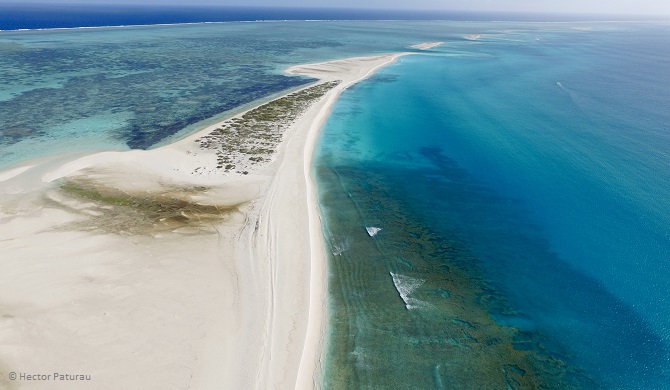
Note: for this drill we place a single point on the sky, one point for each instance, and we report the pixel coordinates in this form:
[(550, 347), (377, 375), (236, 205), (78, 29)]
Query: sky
[(631, 7)]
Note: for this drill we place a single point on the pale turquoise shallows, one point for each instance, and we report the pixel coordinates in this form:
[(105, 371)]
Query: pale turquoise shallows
[(521, 181), (137, 87)]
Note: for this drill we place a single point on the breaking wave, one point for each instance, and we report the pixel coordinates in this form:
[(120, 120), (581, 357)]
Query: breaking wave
[(406, 285)]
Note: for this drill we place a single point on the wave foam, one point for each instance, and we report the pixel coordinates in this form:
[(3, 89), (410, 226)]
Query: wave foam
[(339, 246), (372, 231), (406, 285)]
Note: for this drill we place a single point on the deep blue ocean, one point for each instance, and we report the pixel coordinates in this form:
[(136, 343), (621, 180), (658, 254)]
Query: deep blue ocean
[(519, 173), (33, 15)]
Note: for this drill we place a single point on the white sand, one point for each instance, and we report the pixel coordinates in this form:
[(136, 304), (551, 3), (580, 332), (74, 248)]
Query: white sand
[(238, 306), (473, 37), (426, 45)]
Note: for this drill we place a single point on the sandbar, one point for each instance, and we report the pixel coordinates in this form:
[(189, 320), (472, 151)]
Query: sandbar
[(426, 45), (200, 264)]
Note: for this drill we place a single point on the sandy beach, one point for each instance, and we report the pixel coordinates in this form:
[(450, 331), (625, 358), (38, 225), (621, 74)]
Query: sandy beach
[(187, 266)]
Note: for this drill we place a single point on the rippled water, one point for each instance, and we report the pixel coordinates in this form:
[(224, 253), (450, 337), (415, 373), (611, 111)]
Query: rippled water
[(521, 181)]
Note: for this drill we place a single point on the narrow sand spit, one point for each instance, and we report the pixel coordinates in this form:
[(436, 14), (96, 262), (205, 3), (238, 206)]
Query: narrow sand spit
[(200, 264), (426, 45)]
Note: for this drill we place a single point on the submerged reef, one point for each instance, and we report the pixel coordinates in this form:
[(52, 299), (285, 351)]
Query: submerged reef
[(409, 307)]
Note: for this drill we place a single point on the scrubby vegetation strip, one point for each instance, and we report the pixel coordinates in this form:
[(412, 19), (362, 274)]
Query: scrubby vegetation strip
[(253, 138)]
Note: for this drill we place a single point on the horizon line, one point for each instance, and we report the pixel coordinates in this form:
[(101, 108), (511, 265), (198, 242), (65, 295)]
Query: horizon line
[(320, 20)]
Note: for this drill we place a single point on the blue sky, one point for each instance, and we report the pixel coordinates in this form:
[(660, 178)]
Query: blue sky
[(653, 7)]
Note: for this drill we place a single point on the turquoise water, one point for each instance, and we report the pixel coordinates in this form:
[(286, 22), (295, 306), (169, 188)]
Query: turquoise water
[(521, 180), (138, 87), (522, 185)]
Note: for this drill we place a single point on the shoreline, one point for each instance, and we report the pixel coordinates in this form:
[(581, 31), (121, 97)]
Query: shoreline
[(260, 261), (315, 337)]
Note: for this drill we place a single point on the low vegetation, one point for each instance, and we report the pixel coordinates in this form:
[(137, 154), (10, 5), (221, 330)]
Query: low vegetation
[(114, 211), (253, 138)]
